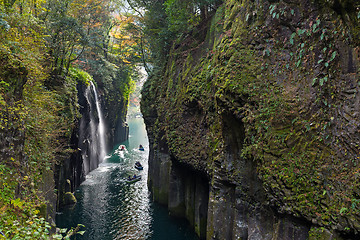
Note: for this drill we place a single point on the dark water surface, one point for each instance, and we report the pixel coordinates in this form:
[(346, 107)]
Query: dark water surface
[(110, 208)]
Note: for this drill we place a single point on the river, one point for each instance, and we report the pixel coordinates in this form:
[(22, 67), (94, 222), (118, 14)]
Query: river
[(111, 208)]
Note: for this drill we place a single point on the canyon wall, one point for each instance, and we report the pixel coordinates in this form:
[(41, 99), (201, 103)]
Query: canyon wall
[(87, 152), (253, 123)]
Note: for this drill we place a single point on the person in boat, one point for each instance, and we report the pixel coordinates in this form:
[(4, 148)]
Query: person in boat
[(134, 176), (129, 178), (141, 147), (137, 164), (122, 147)]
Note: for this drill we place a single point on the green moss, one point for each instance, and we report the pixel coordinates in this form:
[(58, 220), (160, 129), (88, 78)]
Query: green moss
[(69, 198), (216, 25), (231, 12), (210, 227), (80, 76), (320, 233), (266, 81)]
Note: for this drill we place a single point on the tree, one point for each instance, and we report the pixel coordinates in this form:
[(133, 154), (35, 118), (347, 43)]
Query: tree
[(165, 20)]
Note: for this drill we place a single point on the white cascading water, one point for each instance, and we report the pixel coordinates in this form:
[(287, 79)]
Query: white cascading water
[(92, 132), (101, 126)]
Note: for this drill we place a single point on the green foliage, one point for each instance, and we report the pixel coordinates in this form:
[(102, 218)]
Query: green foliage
[(46, 48), (65, 34), (46, 111), (18, 217), (316, 233), (7, 185), (4, 25), (32, 121), (34, 227), (80, 75), (180, 15), (165, 21), (66, 234), (157, 33)]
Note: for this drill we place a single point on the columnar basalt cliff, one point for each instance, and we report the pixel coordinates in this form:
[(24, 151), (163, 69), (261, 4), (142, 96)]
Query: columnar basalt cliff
[(86, 155), (254, 122)]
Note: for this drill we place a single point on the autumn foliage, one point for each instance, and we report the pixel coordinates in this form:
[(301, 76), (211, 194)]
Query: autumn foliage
[(42, 44)]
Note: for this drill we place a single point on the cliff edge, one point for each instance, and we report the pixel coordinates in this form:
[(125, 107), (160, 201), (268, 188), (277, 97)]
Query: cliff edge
[(253, 122)]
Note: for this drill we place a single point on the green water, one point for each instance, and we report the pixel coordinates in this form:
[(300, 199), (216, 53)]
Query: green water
[(110, 208)]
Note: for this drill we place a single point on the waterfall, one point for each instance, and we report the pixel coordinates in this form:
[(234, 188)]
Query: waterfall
[(92, 130), (101, 126)]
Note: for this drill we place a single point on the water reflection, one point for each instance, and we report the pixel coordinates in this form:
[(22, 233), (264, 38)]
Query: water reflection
[(111, 208)]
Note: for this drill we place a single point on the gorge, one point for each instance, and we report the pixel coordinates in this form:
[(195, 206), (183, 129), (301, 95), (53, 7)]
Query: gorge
[(90, 146), (251, 110)]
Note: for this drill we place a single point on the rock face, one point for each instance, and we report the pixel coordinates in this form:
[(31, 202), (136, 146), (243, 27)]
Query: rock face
[(69, 198), (217, 207), (85, 144), (13, 136), (254, 128)]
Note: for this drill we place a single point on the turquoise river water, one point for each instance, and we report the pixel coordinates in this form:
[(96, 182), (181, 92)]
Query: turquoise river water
[(111, 208)]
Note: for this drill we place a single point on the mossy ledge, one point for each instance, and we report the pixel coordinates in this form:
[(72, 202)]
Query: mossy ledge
[(265, 107)]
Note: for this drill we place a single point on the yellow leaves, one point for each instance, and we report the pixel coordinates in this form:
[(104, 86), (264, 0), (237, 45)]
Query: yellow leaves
[(3, 209), (125, 38), (18, 203), (123, 21)]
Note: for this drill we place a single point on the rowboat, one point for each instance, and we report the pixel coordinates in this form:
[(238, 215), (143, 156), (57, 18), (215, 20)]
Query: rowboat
[(138, 166), (134, 179)]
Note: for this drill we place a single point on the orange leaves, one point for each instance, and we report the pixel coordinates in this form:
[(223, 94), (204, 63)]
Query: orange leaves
[(126, 38), (94, 7), (90, 13)]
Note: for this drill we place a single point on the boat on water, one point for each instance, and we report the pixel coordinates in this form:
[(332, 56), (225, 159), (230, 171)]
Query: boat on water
[(141, 148), (138, 166), (133, 179)]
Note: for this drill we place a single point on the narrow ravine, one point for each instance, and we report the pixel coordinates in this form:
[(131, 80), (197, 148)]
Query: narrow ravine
[(110, 208)]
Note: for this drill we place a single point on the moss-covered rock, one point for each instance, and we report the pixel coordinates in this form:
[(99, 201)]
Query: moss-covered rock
[(69, 198), (268, 104)]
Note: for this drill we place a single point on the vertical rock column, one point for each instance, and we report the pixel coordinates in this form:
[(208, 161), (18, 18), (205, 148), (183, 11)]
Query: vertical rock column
[(220, 212), (176, 202), (201, 206), (159, 174), (190, 200), (184, 191)]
